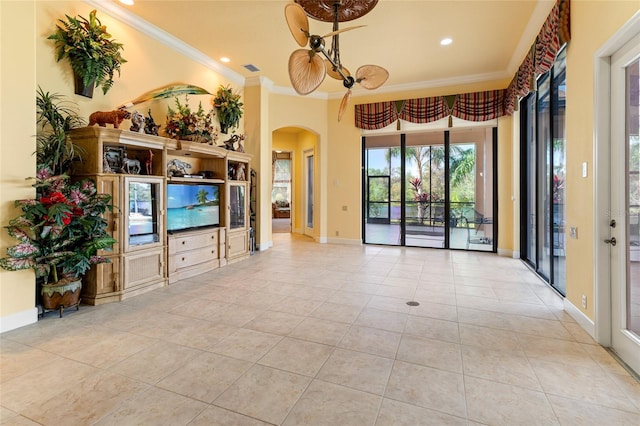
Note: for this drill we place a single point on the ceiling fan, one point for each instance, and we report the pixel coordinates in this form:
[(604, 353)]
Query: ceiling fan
[(306, 68)]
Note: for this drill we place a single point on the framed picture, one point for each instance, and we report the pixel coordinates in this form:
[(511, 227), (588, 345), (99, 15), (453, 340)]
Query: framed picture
[(113, 156)]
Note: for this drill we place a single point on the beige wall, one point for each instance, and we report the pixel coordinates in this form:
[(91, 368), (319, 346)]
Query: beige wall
[(592, 24), (17, 144)]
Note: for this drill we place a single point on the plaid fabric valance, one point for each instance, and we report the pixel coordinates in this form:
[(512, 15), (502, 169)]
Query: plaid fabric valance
[(424, 110), (555, 32), (477, 106), (375, 116)]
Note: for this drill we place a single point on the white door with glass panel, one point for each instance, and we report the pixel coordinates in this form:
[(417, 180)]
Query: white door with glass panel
[(624, 240), (309, 192)]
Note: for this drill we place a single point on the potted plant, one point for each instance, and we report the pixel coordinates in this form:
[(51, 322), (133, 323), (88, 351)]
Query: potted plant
[(55, 118), (228, 107), (59, 234), (93, 54)]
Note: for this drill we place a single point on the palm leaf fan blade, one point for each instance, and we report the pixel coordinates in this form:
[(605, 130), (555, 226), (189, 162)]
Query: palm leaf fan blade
[(298, 22), (306, 71), (344, 103), (371, 76)]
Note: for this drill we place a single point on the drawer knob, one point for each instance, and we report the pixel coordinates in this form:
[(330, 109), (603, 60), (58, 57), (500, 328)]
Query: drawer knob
[(183, 243), (183, 259)]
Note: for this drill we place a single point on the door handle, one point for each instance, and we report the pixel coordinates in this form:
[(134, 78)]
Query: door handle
[(612, 241)]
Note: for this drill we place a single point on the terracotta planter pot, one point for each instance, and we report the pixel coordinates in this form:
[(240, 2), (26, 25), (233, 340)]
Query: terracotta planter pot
[(80, 88), (62, 295)]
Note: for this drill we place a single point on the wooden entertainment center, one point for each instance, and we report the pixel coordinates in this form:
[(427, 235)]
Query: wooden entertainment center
[(134, 168)]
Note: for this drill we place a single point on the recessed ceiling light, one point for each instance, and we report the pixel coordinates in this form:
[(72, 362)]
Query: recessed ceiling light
[(446, 41), (225, 59), (127, 2)]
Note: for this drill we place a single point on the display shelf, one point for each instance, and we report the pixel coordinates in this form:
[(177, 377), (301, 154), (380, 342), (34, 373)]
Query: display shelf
[(195, 180)]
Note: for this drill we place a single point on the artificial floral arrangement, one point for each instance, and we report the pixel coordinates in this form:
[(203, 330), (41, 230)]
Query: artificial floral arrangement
[(228, 107), (61, 230), (182, 123), (93, 54)]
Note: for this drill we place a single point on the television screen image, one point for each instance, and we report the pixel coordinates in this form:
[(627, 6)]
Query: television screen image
[(191, 206)]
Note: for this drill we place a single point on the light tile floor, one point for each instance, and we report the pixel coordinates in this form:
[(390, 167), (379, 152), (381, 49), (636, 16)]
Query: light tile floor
[(320, 334)]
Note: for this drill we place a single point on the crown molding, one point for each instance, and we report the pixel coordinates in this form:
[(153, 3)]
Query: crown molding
[(539, 16), (145, 27)]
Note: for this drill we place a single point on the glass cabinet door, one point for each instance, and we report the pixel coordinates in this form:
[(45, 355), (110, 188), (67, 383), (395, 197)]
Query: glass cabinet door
[(237, 206)]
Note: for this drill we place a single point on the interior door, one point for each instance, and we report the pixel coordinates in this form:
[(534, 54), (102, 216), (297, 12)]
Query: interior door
[(625, 203), (309, 192)]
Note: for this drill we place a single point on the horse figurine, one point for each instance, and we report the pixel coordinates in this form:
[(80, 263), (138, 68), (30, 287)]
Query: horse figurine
[(130, 165), (177, 167)]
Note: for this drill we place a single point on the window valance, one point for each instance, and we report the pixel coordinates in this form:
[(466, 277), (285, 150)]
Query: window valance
[(477, 106), (555, 32)]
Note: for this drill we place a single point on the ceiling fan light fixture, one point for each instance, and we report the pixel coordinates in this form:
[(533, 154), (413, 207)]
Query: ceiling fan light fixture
[(306, 68)]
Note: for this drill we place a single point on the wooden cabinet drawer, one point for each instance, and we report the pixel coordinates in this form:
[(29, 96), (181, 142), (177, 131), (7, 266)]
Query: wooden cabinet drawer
[(186, 242), (193, 257)]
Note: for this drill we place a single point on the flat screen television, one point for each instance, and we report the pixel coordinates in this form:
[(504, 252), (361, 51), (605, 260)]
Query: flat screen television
[(192, 206)]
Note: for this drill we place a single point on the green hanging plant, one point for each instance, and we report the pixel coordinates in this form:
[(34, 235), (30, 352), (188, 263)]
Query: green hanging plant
[(93, 54)]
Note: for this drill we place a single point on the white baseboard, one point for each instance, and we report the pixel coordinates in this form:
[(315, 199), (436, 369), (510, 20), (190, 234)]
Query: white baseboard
[(19, 319), (505, 252), (584, 321), (516, 255), (322, 240), (346, 241)]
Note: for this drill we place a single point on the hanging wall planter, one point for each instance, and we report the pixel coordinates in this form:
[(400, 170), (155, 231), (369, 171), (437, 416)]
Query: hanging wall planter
[(93, 54), (228, 108), (82, 89)]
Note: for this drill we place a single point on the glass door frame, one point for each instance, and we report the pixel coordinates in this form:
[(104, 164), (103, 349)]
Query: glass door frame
[(493, 203), (539, 154)]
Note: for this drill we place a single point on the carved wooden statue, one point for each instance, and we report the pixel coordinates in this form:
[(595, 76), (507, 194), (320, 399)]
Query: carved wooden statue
[(115, 117)]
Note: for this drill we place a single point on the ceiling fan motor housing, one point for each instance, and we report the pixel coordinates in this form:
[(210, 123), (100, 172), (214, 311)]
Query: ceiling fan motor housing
[(316, 43), (348, 82)]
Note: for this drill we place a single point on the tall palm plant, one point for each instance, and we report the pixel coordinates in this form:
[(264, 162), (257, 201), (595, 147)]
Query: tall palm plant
[(55, 118)]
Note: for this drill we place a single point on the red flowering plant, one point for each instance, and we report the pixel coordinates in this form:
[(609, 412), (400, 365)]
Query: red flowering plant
[(60, 231), (422, 198)]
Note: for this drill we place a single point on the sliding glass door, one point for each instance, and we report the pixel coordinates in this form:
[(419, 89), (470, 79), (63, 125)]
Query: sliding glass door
[(544, 165), (431, 189)]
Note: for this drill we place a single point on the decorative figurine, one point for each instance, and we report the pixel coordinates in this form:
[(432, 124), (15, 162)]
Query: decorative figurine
[(105, 164), (150, 126), (239, 174), (130, 165), (115, 117), (241, 139), (137, 122), (177, 167), (149, 162), (228, 144)]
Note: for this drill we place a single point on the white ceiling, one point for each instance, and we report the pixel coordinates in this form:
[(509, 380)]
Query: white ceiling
[(490, 37)]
